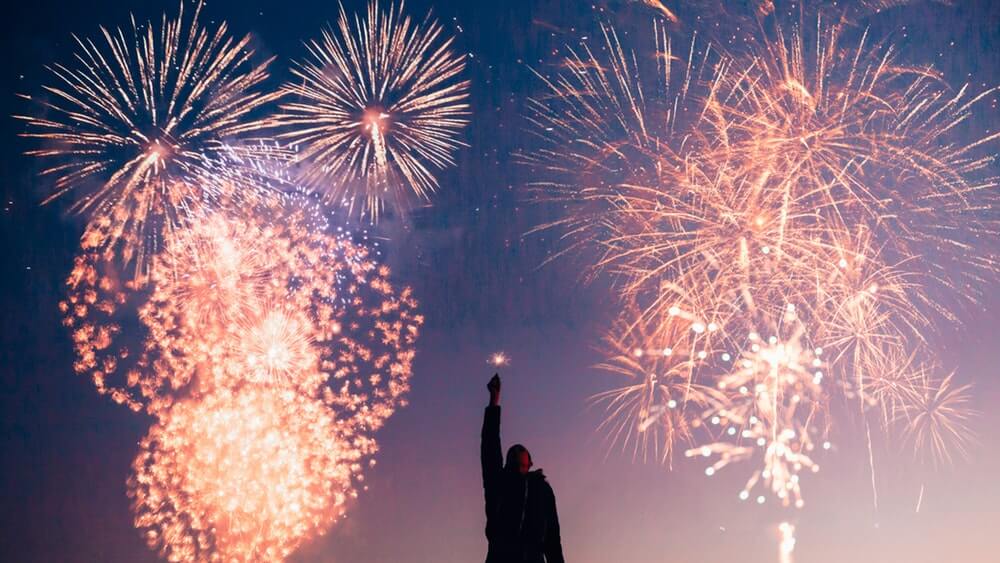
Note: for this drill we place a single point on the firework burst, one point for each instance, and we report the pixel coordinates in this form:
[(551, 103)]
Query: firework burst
[(938, 419), (243, 475), (774, 410), (660, 400), (809, 196), (851, 138), (254, 300), (756, 166), (376, 109), (131, 127)]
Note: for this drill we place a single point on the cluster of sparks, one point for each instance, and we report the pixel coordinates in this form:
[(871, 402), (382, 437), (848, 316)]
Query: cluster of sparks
[(499, 359), (242, 475), (786, 224), (213, 293)]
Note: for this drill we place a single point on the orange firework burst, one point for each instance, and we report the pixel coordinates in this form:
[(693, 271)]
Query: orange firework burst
[(774, 409), (754, 167), (243, 475), (270, 351), (276, 347), (133, 126), (938, 419), (263, 301), (852, 138), (812, 189), (379, 106), (603, 122), (661, 399)]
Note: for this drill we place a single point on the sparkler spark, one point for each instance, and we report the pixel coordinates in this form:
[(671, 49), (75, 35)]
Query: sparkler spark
[(499, 359), (131, 127), (378, 106)]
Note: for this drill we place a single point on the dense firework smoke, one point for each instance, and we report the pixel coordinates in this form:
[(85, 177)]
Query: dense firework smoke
[(132, 127), (375, 109), (243, 475)]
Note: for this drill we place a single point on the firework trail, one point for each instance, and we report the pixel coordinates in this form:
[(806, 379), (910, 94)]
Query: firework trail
[(129, 128), (787, 544), (243, 475), (377, 107)]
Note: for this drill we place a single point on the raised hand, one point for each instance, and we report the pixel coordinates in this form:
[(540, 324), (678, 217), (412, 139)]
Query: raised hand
[(494, 387)]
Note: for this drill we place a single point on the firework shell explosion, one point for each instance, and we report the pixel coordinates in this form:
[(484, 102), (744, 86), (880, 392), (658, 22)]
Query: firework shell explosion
[(662, 401), (130, 127), (242, 475), (375, 110), (272, 350), (808, 198), (274, 302)]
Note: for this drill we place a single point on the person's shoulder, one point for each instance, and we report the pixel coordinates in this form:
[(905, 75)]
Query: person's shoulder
[(539, 479)]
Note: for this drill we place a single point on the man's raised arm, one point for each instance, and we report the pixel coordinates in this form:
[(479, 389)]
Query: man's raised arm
[(490, 453)]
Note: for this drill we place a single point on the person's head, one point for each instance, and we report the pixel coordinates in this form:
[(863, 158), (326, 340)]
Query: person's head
[(518, 459)]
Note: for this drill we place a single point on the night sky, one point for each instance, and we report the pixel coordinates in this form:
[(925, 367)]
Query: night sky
[(483, 287)]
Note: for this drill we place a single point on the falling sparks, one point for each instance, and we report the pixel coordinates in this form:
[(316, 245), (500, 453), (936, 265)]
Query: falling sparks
[(774, 401), (659, 400), (937, 420), (375, 109)]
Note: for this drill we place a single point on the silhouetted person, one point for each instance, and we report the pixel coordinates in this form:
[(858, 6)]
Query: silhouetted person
[(521, 521)]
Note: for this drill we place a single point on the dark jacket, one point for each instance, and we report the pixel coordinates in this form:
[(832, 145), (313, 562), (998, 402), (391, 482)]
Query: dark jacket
[(521, 521)]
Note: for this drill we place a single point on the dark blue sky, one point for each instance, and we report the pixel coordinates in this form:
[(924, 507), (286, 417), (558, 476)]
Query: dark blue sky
[(66, 451)]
